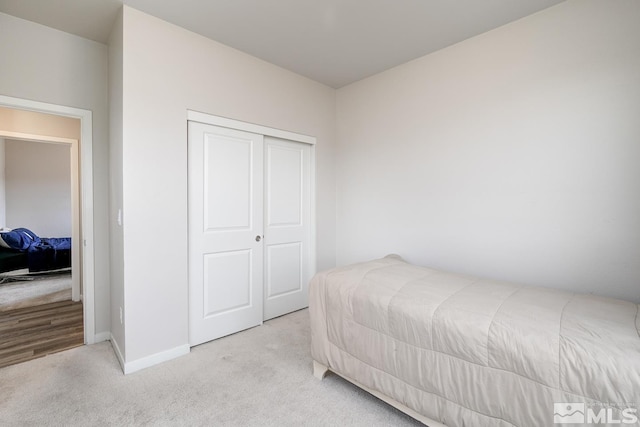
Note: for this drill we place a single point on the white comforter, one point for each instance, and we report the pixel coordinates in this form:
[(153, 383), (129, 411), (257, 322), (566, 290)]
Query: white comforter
[(472, 352)]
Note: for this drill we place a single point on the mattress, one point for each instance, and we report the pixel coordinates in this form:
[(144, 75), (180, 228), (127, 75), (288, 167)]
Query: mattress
[(471, 352)]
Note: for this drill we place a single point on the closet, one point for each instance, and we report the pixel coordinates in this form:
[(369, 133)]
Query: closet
[(250, 226)]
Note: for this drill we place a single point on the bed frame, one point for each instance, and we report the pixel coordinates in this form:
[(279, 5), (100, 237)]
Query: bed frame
[(36, 262), (11, 260), (320, 371)]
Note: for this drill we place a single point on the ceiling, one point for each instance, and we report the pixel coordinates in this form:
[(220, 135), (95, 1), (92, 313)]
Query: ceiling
[(335, 42)]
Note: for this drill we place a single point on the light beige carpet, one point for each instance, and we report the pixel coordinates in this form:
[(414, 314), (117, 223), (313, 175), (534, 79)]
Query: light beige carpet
[(39, 290), (259, 377)]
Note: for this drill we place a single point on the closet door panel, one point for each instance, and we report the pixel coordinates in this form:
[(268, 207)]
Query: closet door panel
[(287, 226), (225, 230)]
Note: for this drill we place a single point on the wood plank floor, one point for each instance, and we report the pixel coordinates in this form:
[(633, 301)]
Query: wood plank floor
[(32, 332)]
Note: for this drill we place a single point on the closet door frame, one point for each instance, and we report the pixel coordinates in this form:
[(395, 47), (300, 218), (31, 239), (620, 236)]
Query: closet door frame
[(196, 116)]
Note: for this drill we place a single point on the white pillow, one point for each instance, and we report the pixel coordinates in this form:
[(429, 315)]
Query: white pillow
[(2, 242)]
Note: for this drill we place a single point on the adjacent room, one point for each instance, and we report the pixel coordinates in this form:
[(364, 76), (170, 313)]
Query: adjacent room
[(38, 219), (324, 212)]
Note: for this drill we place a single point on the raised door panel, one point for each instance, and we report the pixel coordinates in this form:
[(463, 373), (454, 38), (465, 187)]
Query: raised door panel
[(220, 270), (228, 183), (284, 269)]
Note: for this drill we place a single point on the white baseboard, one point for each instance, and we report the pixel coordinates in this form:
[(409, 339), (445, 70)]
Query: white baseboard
[(146, 362), (101, 336), (154, 359), (116, 350)]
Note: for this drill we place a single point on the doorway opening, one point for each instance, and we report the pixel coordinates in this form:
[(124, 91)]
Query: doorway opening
[(78, 150)]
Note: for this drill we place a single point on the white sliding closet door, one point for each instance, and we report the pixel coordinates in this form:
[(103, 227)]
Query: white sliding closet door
[(287, 226), (225, 231), (250, 225)]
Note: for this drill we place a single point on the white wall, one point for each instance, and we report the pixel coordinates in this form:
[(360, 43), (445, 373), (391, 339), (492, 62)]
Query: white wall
[(115, 187), (168, 70), (512, 155), (38, 187), (47, 65)]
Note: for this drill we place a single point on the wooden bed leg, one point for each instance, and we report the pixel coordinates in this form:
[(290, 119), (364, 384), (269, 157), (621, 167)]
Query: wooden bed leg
[(319, 370)]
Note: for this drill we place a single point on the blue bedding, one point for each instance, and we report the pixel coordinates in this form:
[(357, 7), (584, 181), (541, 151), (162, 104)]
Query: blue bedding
[(43, 253)]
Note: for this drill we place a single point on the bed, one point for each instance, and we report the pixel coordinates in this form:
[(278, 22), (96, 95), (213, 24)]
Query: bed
[(455, 350), (22, 249)]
